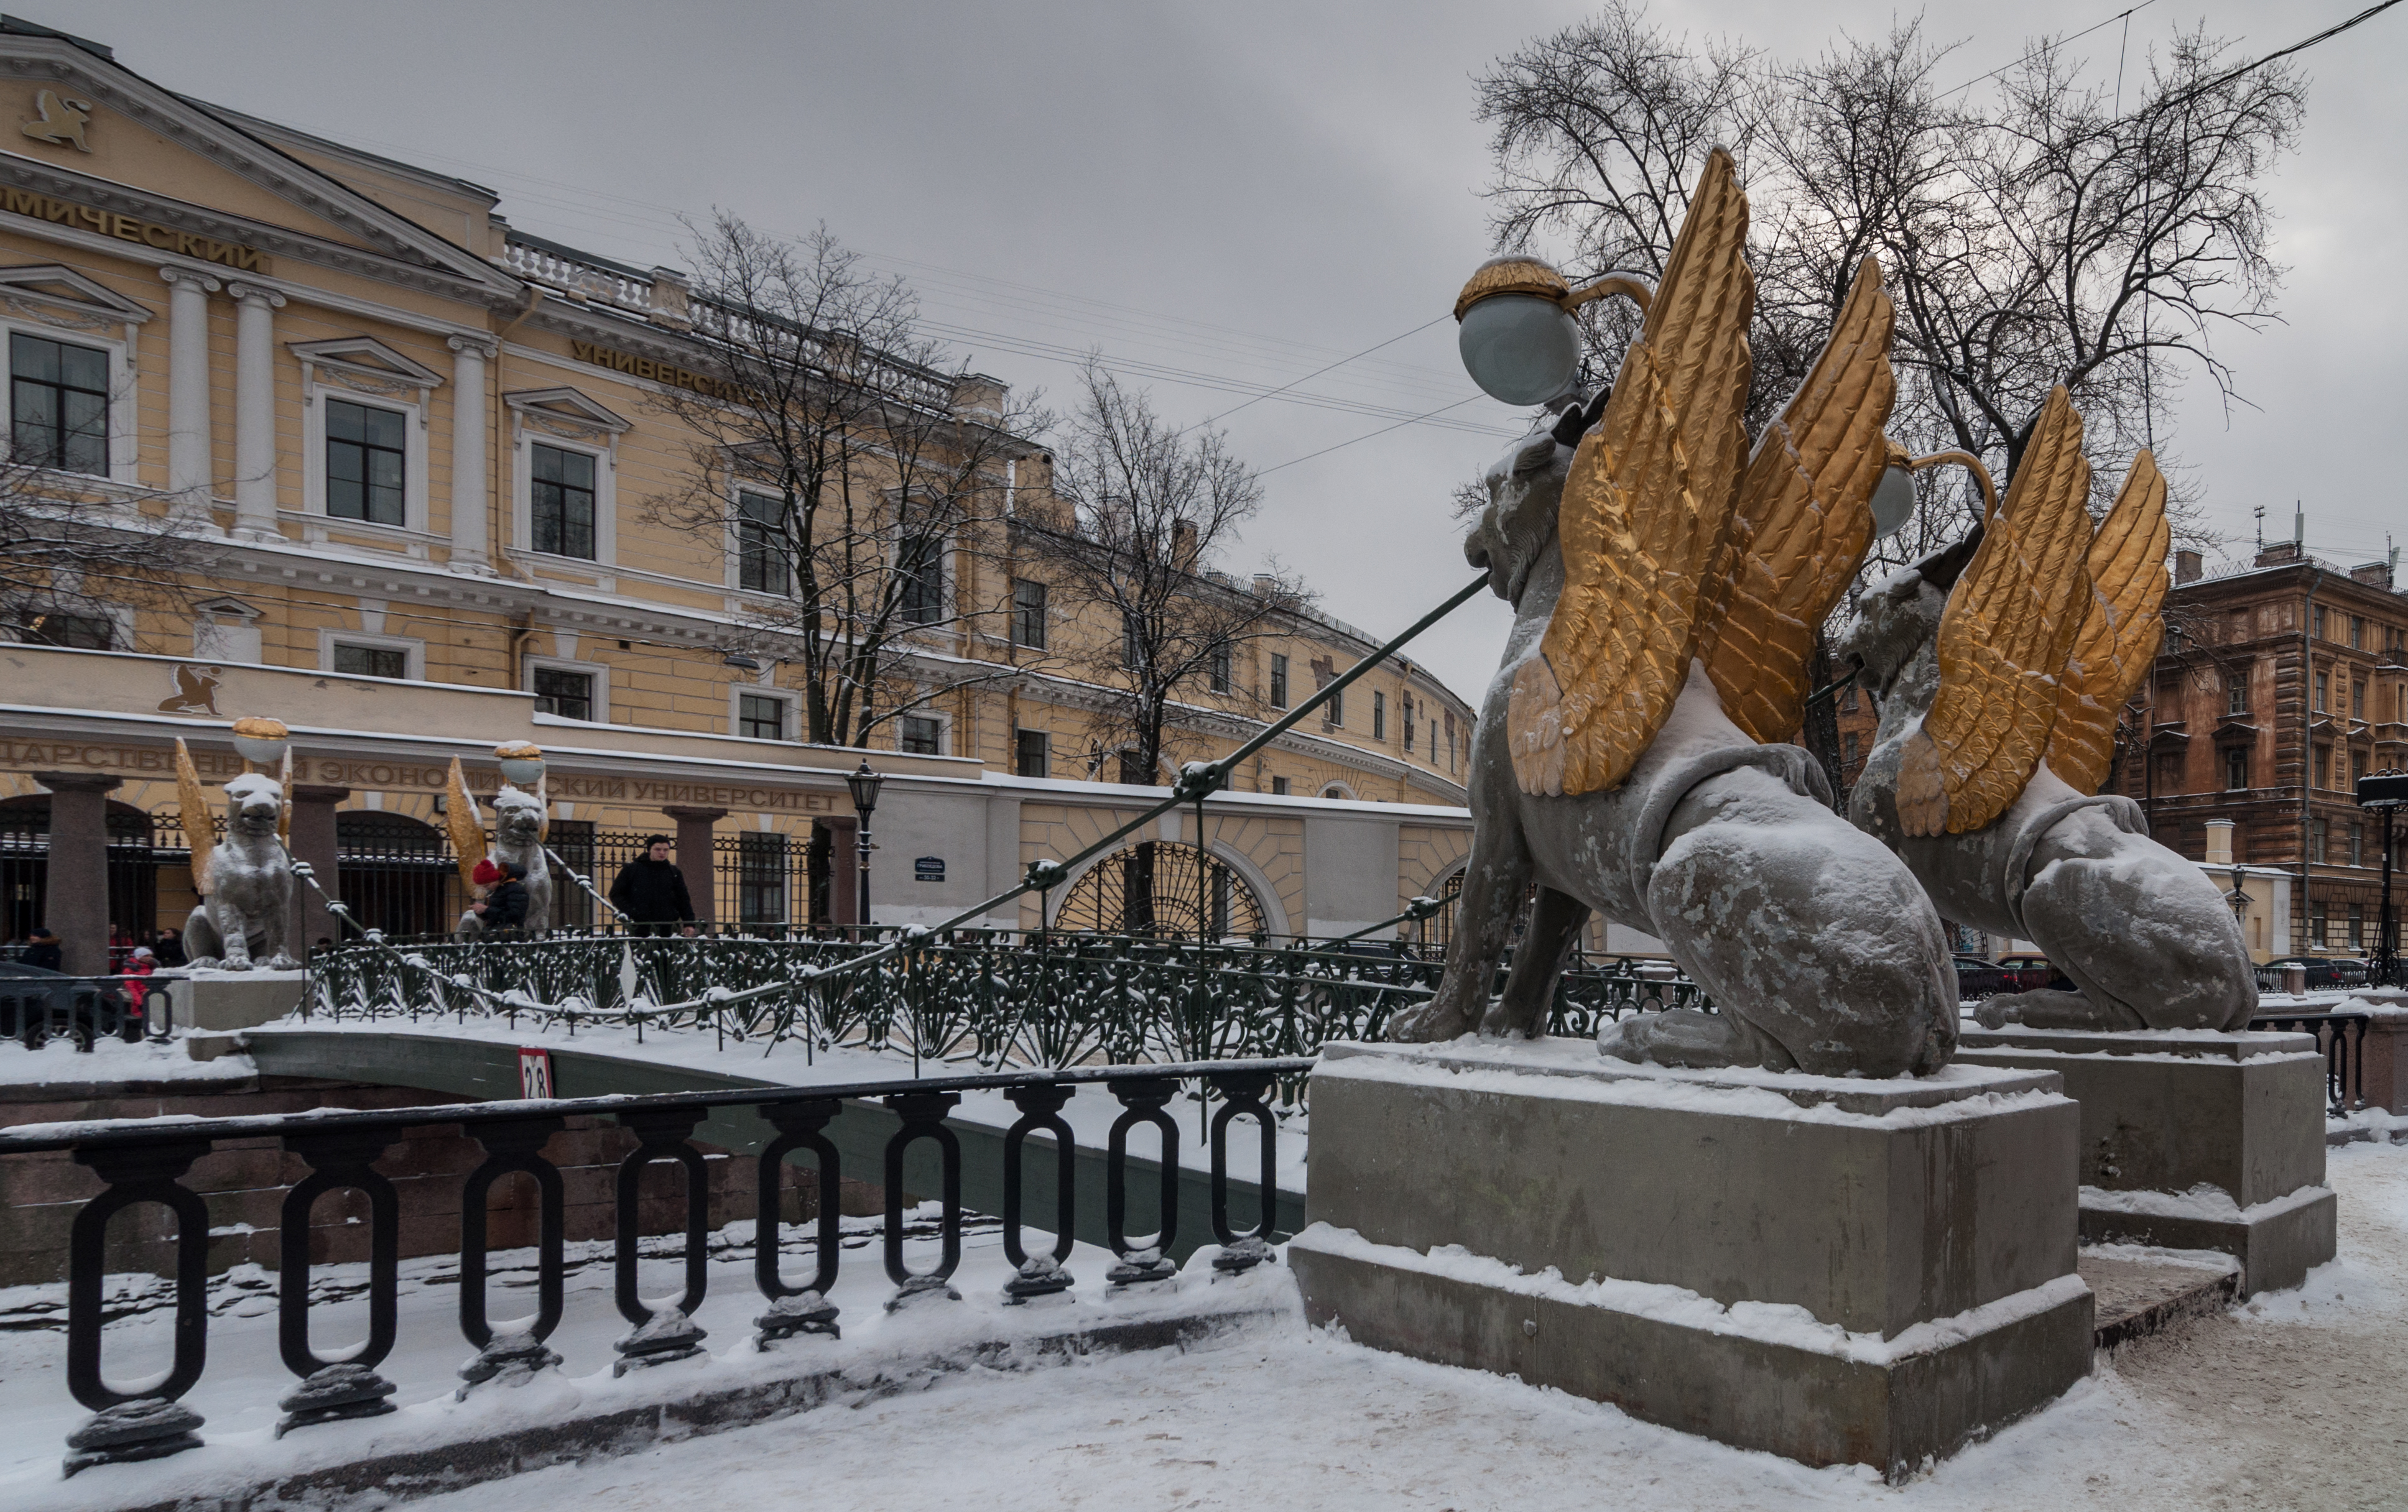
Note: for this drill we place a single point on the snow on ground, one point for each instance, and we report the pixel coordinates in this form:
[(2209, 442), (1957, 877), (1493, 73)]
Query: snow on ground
[(59, 1064), (2295, 1400)]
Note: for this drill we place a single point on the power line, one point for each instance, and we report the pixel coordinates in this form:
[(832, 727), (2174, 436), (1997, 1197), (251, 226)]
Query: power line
[(2054, 42), (2325, 35), (1310, 377), (1365, 436)]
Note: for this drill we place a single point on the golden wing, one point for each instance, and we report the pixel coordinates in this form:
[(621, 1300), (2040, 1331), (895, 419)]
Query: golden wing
[(465, 824), (1803, 520), (200, 828), (2120, 633), (2009, 625), (1644, 515), (284, 804)]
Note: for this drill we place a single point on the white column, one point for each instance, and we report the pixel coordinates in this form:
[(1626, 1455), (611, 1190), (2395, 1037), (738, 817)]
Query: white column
[(189, 462), (469, 355), (254, 411)]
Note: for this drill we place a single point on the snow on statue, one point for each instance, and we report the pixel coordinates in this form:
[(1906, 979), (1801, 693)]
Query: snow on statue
[(1666, 585), (245, 880), (1999, 663), (521, 820)]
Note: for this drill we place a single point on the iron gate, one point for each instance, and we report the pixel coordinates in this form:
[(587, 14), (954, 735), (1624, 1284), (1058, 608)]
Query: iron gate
[(1162, 888)]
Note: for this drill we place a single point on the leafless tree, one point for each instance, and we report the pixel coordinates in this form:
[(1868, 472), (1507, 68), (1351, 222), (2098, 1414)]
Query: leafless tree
[(1149, 509), (2046, 232), (73, 549), (856, 478), (2041, 232)]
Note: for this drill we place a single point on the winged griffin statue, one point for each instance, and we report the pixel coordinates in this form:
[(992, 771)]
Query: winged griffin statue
[(1999, 663), (245, 880), (522, 823), (1667, 583)]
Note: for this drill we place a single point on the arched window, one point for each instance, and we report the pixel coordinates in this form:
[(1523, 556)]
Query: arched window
[(1162, 888)]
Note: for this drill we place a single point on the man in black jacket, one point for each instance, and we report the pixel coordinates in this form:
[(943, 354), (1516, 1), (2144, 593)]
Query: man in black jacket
[(45, 952), (649, 891)]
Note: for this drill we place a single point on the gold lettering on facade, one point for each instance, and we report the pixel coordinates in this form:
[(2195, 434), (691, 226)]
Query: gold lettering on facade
[(370, 775), (130, 228), (61, 121), (658, 372)]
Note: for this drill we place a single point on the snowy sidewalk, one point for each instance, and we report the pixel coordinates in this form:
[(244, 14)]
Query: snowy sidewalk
[(2299, 1400)]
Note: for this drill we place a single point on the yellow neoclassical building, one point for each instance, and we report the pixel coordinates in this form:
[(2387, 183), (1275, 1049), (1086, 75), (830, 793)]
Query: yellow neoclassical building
[(422, 451)]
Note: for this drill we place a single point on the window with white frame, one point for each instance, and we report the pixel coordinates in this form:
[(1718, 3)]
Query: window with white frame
[(761, 563), (920, 735), (353, 659), (58, 404), (368, 472), (1220, 668), (1031, 753), (761, 716), (921, 597), (567, 691), (1028, 614), (560, 501)]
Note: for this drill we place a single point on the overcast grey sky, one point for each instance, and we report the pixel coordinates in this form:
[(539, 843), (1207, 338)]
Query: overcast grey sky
[(1227, 198)]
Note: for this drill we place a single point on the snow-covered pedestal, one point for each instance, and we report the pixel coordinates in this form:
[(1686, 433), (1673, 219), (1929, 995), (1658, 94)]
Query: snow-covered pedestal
[(1839, 1271), (2192, 1139), (235, 999)]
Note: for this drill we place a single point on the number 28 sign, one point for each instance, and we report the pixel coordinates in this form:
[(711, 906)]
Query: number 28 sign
[(534, 1073)]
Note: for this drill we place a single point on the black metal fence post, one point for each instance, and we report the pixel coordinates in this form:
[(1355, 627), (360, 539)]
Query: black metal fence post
[(152, 1424), (510, 1146), (1242, 1097), (803, 1309), (1040, 1107), (669, 1332), (332, 1390), (924, 1118), (1145, 1100)]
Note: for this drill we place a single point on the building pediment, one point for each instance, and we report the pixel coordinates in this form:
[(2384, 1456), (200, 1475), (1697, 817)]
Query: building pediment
[(363, 364), (57, 285), (80, 127), (565, 406)]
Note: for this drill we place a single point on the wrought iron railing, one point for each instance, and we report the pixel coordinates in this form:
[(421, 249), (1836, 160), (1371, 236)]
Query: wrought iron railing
[(34, 1010), (148, 1162), (985, 997), (2341, 1036)]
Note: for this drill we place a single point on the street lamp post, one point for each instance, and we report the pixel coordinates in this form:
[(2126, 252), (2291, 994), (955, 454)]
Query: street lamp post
[(864, 784), (2385, 791)]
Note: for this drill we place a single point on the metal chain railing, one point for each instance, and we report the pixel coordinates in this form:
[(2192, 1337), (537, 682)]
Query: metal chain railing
[(1198, 781)]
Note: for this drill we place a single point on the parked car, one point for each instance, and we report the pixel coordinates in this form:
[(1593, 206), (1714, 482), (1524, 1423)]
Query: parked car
[(2032, 972), (2324, 971), (36, 1003), (1977, 979)]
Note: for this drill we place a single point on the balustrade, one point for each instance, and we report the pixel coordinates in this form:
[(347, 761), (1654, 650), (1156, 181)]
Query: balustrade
[(147, 1162)]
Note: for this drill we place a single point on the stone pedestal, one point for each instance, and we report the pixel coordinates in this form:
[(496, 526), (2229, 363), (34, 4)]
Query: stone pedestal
[(2192, 1140), (235, 999), (2385, 1074), (1839, 1271)]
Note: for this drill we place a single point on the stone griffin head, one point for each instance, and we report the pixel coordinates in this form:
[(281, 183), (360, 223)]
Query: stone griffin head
[(518, 818), (1897, 616), (1525, 488), (254, 804)]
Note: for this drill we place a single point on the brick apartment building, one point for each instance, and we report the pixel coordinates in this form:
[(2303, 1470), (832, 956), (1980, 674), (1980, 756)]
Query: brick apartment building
[(2232, 726), (2280, 685)]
